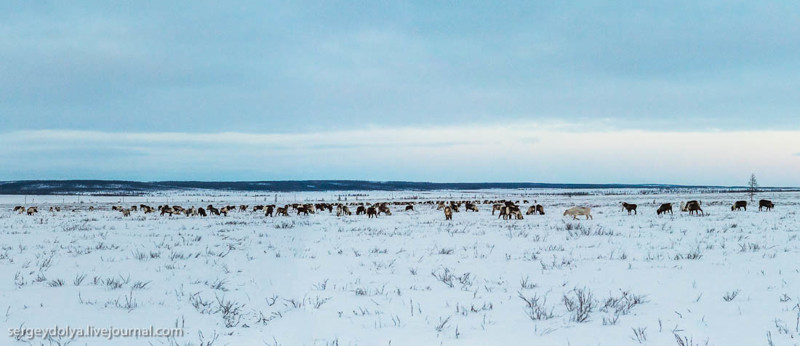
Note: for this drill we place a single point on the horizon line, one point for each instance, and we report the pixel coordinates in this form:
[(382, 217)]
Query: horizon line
[(654, 185)]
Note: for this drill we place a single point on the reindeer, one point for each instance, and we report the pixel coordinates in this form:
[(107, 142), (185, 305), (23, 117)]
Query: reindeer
[(371, 211), (20, 209), (282, 210), (471, 207), (32, 210), (694, 208), (764, 203), (448, 213), (167, 210), (739, 205), (578, 211), (664, 208), (361, 210), (504, 213), (201, 212), (302, 210), (629, 208), (685, 205), (497, 207), (409, 207), (533, 209), (510, 211)]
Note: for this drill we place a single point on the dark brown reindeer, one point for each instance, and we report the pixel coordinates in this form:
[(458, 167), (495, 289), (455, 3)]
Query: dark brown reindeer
[(303, 210), (629, 207), (764, 203), (664, 208), (448, 213), (739, 205)]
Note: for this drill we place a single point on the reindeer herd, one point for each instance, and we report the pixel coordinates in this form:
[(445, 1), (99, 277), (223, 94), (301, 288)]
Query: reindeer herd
[(507, 210), (693, 207)]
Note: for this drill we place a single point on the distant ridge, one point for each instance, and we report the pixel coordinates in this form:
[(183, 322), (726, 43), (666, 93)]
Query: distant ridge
[(119, 187)]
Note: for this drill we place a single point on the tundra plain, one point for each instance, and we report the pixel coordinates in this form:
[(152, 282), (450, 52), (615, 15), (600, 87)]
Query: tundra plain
[(412, 278)]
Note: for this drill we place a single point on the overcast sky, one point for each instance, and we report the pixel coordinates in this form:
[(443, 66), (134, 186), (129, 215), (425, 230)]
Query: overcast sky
[(592, 92)]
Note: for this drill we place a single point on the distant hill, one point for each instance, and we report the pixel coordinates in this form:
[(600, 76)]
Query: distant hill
[(115, 187)]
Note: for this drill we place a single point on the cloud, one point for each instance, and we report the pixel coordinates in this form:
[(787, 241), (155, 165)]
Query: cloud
[(525, 152), (300, 67)]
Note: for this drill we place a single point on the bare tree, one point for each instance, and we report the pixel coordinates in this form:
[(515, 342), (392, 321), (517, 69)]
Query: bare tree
[(752, 187)]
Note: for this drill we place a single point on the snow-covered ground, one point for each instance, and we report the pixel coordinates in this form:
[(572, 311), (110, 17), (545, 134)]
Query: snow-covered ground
[(412, 278)]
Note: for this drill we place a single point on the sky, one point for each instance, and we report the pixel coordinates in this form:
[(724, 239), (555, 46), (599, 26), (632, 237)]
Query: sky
[(683, 92)]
